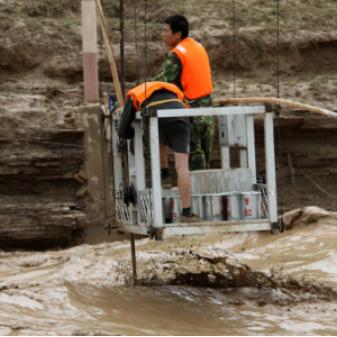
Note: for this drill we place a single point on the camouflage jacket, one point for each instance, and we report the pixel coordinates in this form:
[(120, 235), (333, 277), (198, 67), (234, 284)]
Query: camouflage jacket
[(171, 71)]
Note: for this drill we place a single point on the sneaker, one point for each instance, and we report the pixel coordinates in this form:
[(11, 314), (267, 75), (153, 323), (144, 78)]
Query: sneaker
[(190, 219)]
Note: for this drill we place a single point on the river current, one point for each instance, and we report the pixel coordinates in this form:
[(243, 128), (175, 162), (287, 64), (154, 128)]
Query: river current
[(236, 284)]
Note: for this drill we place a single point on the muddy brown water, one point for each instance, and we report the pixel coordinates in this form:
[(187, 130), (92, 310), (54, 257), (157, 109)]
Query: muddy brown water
[(239, 284)]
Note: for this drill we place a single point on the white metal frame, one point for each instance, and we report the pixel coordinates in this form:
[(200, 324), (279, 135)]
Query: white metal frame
[(152, 199)]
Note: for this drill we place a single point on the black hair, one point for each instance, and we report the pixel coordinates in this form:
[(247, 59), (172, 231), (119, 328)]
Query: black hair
[(178, 23)]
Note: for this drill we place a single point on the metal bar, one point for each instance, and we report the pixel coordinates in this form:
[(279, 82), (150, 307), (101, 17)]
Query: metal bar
[(131, 161), (139, 156), (139, 163), (212, 111), (117, 158), (132, 179), (225, 157), (243, 158), (237, 129), (270, 166), (133, 259), (251, 147), (220, 223), (205, 228), (155, 172), (223, 141)]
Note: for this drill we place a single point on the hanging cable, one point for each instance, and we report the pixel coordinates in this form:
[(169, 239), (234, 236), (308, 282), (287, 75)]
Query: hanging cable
[(102, 140), (122, 43), (136, 40), (145, 43), (278, 92), (278, 46)]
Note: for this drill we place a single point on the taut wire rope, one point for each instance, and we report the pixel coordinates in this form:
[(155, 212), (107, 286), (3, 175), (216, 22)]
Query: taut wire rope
[(278, 91), (102, 140), (135, 23), (122, 44), (145, 43)]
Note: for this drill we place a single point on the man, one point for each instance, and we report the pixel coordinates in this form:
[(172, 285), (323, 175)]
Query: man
[(187, 66), (174, 132)]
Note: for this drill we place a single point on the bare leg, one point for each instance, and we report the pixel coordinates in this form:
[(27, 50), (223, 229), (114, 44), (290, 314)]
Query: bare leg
[(184, 180)]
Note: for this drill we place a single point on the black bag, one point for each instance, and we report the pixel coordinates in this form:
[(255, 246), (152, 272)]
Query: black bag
[(125, 130)]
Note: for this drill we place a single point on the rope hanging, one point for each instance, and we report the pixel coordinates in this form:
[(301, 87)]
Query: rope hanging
[(122, 44), (278, 47), (135, 24)]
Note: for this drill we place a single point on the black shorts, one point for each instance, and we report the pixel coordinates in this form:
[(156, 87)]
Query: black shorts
[(176, 135)]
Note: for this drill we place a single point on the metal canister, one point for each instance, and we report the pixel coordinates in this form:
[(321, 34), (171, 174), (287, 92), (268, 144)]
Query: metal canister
[(175, 206), (251, 205), (171, 206)]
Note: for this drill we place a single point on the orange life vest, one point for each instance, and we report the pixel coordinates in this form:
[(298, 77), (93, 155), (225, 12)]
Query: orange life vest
[(145, 90), (196, 77)]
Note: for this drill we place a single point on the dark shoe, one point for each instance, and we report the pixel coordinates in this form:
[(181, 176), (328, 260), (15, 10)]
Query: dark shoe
[(166, 183), (190, 219)]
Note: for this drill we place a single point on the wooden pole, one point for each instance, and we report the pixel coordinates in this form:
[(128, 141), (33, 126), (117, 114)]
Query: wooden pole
[(277, 101), (109, 49), (89, 47), (120, 98)]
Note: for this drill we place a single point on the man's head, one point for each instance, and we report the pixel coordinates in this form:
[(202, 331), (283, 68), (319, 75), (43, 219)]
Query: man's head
[(175, 29)]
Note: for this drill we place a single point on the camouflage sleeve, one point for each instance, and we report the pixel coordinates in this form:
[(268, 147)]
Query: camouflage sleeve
[(170, 71)]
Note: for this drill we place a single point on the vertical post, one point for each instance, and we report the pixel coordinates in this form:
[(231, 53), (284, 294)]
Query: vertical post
[(270, 166), (89, 46), (225, 157), (239, 134), (223, 141), (155, 172), (116, 159), (243, 158), (131, 161), (251, 147), (139, 159), (139, 156), (94, 165)]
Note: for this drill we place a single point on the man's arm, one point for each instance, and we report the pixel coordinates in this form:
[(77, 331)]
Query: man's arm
[(170, 71)]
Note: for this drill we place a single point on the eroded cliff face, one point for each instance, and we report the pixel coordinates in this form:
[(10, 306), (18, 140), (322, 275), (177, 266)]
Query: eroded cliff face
[(41, 138), (41, 145)]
